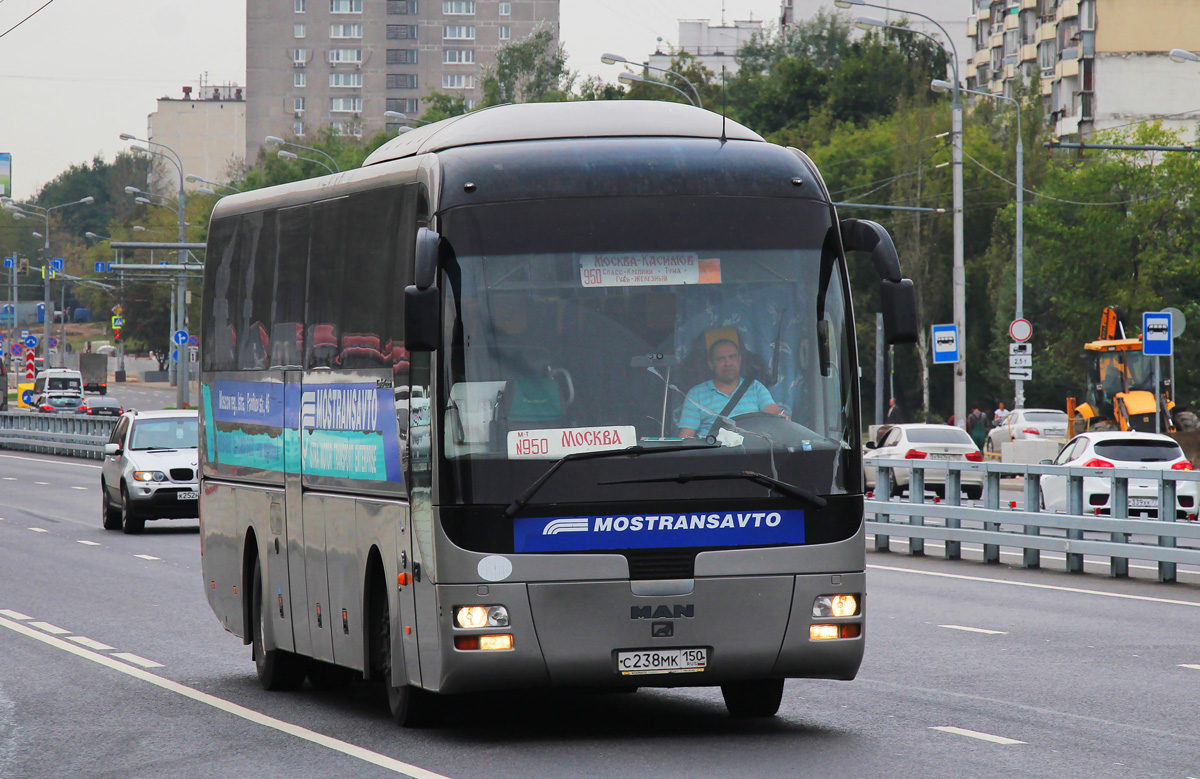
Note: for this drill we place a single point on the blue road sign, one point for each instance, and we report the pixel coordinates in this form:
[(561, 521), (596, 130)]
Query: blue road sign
[(194, 340), (174, 355), (1156, 334), (9, 262), (18, 350), (27, 397), (164, 262), (8, 308), (57, 263), (53, 342), (100, 267), (180, 337), (31, 342), (945, 344)]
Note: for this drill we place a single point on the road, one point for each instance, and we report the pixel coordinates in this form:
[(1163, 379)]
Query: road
[(112, 665)]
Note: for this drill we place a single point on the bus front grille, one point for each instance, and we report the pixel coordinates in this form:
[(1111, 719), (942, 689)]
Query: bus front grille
[(661, 563)]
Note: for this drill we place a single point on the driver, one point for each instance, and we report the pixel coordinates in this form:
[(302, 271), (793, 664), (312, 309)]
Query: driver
[(708, 400)]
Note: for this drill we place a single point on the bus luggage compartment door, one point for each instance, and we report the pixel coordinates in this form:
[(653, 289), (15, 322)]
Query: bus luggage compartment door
[(739, 620)]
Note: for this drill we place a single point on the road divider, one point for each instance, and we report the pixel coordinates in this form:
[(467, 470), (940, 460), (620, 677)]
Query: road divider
[(62, 434)]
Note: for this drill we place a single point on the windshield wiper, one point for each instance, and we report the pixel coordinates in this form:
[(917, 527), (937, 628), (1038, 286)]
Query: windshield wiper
[(524, 498), (783, 487)]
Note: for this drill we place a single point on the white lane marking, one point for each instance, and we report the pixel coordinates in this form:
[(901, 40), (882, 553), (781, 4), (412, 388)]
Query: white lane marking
[(311, 736), (78, 488), (43, 483), (10, 478), (46, 626), (978, 735), (1058, 588), (52, 462), (147, 557), (88, 543), (1189, 665), (39, 530), (143, 662), (976, 630), (89, 643), (14, 614)]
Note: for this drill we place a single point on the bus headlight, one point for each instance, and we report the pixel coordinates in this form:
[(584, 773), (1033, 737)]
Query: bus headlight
[(835, 606), (149, 476), (480, 617)]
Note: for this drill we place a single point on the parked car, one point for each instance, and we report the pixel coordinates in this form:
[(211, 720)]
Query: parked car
[(149, 470), (100, 407), (926, 442), (1028, 423), (1141, 451), (57, 403)]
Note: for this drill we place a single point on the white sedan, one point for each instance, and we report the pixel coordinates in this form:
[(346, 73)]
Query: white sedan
[(1027, 423), (926, 442), (1142, 451)]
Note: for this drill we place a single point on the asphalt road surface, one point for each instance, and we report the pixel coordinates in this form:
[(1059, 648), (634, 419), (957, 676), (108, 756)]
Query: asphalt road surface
[(112, 665)]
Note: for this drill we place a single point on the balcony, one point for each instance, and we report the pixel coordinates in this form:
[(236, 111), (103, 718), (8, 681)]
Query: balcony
[(1028, 52), (1086, 102), (1067, 9)]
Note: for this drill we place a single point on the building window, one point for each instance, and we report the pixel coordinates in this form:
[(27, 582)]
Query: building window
[(299, 79), (506, 9), (300, 6), (402, 56), (298, 129), (345, 30), (1047, 56), (298, 104), (458, 81), (341, 80), (345, 6), (401, 32), (458, 56), (299, 57), (298, 31), (347, 128), (458, 7), (403, 105), (401, 81), (1087, 14), (345, 105), (458, 32), (353, 56), (505, 32), (402, 7)]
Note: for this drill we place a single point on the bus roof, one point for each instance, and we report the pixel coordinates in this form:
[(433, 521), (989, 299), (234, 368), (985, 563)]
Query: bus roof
[(577, 119)]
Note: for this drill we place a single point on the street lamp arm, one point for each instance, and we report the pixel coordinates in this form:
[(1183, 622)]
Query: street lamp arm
[(633, 78), (279, 141), (866, 22), (907, 12), (679, 76)]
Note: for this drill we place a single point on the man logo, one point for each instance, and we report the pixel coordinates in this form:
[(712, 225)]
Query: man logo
[(662, 629), (687, 611)]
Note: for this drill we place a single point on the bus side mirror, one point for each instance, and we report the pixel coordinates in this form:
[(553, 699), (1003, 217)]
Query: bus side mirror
[(422, 303), (863, 235), (898, 299)]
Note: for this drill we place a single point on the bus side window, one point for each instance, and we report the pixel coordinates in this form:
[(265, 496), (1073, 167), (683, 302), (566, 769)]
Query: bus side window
[(326, 274), (258, 250), (291, 278), (223, 278)]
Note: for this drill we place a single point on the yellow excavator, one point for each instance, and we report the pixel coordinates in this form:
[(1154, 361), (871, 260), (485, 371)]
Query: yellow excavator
[(1120, 392)]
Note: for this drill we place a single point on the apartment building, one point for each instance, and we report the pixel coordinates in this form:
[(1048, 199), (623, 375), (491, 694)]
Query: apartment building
[(713, 45), (312, 64), (1101, 63), (206, 127)]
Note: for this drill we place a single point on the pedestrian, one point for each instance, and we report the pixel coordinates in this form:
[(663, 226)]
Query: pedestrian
[(894, 414), (1000, 414), (977, 425)]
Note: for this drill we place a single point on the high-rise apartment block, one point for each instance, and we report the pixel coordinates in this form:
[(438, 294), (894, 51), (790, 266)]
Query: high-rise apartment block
[(1101, 63), (312, 64)]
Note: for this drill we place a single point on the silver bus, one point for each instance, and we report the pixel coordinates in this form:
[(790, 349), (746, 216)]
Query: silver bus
[(544, 395)]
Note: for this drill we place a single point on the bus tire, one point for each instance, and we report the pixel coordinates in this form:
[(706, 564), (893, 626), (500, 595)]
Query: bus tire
[(111, 516), (407, 705), (277, 669), (753, 698)]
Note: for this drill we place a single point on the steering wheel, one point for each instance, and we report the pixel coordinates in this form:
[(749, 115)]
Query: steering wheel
[(782, 431)]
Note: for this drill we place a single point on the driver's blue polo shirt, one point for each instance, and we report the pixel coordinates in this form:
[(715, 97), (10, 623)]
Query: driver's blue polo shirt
[(705, 401)]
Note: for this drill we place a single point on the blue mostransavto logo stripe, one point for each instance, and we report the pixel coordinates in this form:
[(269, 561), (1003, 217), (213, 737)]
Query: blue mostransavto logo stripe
[(657, 531), (247, 402)]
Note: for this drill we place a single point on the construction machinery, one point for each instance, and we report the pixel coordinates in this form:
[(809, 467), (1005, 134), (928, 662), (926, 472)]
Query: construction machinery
[(1121, 393)]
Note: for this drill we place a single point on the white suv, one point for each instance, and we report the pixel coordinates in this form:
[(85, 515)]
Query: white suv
[(149, 469)]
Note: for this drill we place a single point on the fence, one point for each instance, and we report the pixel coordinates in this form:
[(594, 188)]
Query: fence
[(1030, 529), (73, 436)]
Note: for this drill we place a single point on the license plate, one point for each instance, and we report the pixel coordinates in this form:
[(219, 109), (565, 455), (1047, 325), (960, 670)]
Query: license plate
[(945, 457), (1143, 503), (187, 495), (662, 661)]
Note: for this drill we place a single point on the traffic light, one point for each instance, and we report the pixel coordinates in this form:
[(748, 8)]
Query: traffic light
[(23, 265), (117, 335)]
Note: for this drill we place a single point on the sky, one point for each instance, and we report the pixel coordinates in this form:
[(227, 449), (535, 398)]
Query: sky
[(79, 73)]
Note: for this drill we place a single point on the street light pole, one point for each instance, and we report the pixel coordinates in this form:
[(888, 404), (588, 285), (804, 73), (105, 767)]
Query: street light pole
[(959, 280), (942, 86), (613, 59), (633, 78)]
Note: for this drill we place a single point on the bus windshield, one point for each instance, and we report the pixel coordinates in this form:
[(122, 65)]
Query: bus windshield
[(596, 324)]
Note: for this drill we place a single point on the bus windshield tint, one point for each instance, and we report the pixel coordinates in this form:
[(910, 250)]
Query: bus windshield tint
[(603, 324)]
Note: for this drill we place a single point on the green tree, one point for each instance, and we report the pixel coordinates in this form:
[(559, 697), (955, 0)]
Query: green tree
[(439, 106), (532, 70)]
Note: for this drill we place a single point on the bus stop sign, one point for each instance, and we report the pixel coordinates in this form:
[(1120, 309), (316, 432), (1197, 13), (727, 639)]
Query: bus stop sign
[(1156, 334)]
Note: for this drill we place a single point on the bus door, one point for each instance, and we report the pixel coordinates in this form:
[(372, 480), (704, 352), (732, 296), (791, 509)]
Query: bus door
[(293, 515)]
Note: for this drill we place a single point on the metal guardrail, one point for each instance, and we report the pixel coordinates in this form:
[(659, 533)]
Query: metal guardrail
[(1031, 529), (64, 434)]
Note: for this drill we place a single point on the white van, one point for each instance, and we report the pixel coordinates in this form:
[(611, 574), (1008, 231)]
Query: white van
[(60, 381)]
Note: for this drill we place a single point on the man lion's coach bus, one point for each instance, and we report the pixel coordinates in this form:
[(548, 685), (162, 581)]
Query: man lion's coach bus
[(544, 395)]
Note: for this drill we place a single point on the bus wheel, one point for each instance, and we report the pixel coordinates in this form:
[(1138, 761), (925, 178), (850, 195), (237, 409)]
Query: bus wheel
[(277, 669), (408, 705), (754, 698)]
